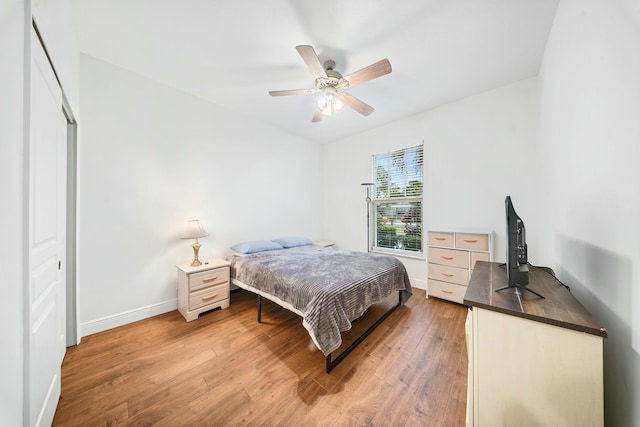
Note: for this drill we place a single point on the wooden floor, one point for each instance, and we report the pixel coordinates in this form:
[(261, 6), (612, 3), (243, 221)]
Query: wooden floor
[(225, 369)]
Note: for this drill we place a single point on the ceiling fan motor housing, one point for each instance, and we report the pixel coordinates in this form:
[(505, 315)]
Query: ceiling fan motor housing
[(334, 79)]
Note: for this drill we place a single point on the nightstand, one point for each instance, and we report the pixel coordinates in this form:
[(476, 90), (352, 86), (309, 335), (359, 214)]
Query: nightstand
[(202, 288)]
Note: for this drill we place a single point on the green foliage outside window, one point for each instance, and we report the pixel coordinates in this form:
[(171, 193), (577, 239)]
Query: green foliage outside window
[(387, 237)]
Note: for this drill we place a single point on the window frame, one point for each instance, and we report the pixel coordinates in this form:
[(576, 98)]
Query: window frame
[(406, 199)]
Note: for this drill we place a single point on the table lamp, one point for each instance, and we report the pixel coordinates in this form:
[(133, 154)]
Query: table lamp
[(194, 231)]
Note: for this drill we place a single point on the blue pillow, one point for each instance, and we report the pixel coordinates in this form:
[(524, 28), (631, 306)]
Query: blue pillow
[(256, 246), (292, 241)]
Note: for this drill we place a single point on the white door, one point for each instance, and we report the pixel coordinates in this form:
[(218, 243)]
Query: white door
[(45, 294)]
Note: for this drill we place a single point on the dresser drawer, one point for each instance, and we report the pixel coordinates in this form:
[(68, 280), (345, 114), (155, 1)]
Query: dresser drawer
[(445, 290), (208, 278), (479, 256), (438, 238), (445, 273), (479, 242), (208, 296), (449, 257)]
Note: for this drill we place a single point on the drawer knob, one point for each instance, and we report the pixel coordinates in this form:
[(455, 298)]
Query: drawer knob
[(447, 274), (441, 238), (446, 291), (209, 280), (471, 240), (210, 297), (447, 257)]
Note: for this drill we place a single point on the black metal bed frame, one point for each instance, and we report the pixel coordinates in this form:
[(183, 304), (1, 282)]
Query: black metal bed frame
[(332, 363)]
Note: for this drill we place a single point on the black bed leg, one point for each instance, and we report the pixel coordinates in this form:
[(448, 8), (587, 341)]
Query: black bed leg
[(259, 308), (331, 363)]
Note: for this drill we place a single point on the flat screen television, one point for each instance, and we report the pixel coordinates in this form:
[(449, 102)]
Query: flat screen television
[(517, 264)]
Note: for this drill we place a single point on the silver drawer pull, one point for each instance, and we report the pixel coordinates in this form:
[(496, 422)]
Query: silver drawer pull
[(209, 280), (446, 291), (471, 240), (208, 298)]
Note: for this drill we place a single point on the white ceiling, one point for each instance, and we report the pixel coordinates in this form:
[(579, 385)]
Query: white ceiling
[(233, 52)]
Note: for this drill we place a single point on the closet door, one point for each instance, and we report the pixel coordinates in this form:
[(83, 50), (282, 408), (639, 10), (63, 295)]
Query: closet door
[(45, 293)]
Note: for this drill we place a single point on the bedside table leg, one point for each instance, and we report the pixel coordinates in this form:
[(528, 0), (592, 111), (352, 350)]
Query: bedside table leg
[(259, 308)]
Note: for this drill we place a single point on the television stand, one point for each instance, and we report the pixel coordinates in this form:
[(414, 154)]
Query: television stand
[(523, 287), (531, 362)]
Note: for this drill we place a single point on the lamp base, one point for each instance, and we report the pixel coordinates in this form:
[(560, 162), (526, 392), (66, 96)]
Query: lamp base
[(196, 248)]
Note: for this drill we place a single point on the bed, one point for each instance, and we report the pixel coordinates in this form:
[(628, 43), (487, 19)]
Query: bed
[(328, 288)]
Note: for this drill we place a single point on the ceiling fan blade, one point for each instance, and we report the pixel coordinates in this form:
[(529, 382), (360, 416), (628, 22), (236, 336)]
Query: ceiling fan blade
[(309, 55), (371, 72), (292, 92), (317, 116), (356, 104)]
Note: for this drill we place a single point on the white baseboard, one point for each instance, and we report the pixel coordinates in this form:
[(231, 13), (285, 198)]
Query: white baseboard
[(109, 322)]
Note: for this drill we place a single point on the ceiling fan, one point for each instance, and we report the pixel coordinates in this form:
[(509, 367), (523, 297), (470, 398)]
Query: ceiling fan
[(332, 84)]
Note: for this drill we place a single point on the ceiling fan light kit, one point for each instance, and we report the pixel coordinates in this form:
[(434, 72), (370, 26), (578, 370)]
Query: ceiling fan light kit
[(332, 85), (330, 101)]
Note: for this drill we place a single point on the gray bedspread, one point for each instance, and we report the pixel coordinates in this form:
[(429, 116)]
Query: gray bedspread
[(329, 287)]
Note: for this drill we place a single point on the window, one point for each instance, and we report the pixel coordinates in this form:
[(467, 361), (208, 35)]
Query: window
[(396, 222)]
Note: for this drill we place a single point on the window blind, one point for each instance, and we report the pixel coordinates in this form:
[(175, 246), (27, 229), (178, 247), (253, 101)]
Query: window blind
[(397, 200), (398, 174)]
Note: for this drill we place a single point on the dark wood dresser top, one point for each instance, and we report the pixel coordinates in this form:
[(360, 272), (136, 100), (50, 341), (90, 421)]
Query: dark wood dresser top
[(558, 308)]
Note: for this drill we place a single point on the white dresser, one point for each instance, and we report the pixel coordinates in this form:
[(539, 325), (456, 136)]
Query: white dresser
[(532, 361), (451, 255)]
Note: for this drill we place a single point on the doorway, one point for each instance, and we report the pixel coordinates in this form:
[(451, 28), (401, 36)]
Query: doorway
[(50, 236)]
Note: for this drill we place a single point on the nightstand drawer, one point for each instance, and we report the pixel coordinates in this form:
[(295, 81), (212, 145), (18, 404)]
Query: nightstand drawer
[(449, 257), (208, 278), (208, 296), (438, 238), (448, 291), (479, 242), (446, 273)]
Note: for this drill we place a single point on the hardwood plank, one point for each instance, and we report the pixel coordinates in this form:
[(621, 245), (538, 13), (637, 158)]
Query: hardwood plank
[(226, 369), (210, 409), (458, 397), (388, 414), (157, 405)]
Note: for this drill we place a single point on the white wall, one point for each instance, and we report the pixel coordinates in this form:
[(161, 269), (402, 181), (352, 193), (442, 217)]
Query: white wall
[(590, 139), (54, 19), (476, 151), (152, 157), (12, 30)]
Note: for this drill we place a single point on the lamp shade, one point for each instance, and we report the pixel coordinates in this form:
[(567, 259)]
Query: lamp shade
[(194, 230)]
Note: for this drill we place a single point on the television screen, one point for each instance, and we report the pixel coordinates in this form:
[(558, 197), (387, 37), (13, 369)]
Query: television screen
[(517, 264)]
